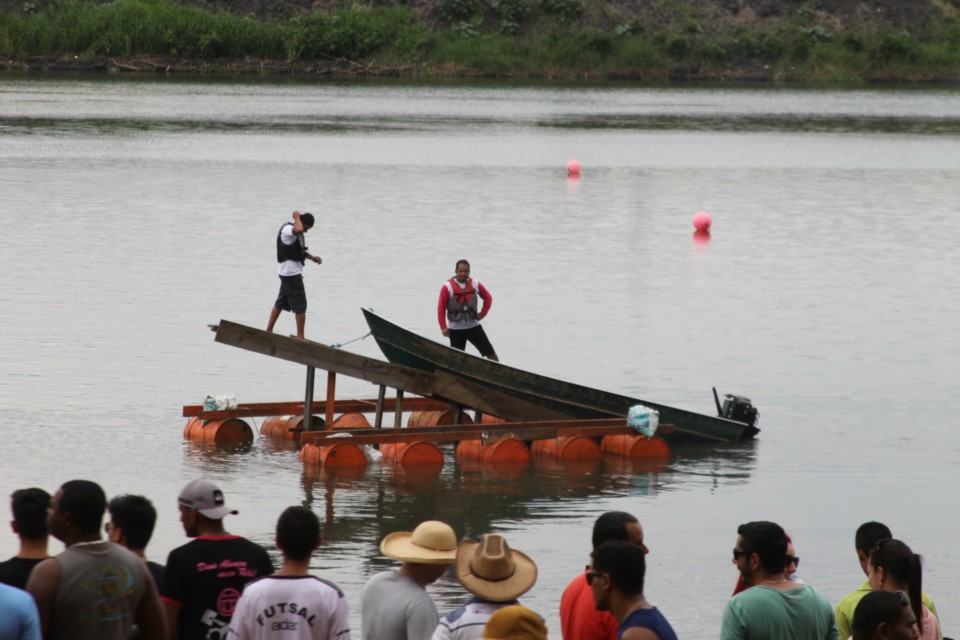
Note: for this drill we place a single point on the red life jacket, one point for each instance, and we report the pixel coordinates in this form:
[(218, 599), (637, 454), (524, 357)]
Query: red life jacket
[(463, 300)]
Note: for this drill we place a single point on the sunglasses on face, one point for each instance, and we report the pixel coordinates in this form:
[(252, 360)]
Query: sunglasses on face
[(737, 554), (794, 560), (593, 574)]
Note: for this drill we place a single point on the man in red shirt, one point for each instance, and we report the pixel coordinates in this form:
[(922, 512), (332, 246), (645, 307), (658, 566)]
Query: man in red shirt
[(579, 618), (459, 314)]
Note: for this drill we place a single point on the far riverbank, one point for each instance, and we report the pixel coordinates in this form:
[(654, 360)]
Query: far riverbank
[(523, 39)]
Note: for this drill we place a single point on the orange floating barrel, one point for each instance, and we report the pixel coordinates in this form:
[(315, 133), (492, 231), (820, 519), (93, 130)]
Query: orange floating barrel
[(225, 430), (567, 448), (437, 418), (351, 421), (508, 450), (288, 427), (411, 453), (489, 419), (340, 454), (636, 447)]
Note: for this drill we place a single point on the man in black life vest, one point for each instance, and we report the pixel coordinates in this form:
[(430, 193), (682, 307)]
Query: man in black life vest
[(458, 312), (292, 255)]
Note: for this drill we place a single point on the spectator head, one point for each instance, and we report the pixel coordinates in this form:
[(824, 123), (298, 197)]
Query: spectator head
[(493, 571), (867, 537), (202, 506), (307, 220), (515, 622), (893, 566), (761, 551), (77, 510), (616, 572), (132, 519), (884, 615), (426, 552), (618, 525), (29, 507), (298, 533)]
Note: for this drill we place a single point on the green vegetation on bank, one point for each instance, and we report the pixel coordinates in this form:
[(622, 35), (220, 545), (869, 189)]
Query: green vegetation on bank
[(520, 38)]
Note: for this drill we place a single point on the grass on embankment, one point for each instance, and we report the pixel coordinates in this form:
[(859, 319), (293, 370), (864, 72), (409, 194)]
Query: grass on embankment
[(519, 38)]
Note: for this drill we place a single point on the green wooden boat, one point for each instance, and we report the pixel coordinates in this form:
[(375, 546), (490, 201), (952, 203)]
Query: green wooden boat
[(406, 348)]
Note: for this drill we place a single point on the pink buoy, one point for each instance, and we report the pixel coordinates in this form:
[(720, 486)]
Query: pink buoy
[(573, 168), (701, 221)]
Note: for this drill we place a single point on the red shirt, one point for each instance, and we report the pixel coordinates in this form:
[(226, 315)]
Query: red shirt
[(579, 618)]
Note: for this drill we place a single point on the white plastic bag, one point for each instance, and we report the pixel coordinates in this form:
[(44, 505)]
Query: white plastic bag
[(219, 402), (643, 419)]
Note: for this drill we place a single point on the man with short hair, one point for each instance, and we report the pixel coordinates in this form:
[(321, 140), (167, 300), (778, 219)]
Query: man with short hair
[(866, 538), (292, 255), (616, 578), (772, 607), (394, 605), (94, 590), (579, 617), (291, 603), (459, 314), (29, 507), (131, 523), (203, 579)]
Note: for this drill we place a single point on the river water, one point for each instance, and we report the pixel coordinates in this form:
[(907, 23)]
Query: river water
[(136, 211)]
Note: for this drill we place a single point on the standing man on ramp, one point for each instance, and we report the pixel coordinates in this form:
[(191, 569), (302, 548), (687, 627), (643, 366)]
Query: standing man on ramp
[(458, 313), (292, 255)]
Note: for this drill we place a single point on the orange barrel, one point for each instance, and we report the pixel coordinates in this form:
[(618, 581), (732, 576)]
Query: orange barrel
[(567, 448), (341, 454), (225, 430), (489, 419), (436, 418), (287, 427), (409, 453), (636, 447), (508, 450), (351, 421)]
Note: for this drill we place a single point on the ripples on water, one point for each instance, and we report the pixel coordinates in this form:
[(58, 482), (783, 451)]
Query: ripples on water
[(136, 212)]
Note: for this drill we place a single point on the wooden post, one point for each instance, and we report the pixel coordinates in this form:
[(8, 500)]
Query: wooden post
[(331, 392), (308, 399), (457, 413), (381, 397), (398, 410)]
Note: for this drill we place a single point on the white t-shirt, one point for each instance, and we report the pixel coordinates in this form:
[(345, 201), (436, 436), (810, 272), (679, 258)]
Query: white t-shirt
[(292, 608), (289, 267), (467, 622), (394, 607)]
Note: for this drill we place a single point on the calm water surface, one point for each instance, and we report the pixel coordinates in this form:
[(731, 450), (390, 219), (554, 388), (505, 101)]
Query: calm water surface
[(136, 212)]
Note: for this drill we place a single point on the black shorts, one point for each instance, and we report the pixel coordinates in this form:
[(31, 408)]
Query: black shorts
[(293, 297), (477, 337)]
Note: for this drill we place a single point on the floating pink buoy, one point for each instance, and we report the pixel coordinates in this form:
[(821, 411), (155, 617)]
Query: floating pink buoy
[(701, 221), (573, 168)]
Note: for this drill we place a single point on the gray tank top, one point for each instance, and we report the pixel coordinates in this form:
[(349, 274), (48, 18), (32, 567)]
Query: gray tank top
[(98, 596)]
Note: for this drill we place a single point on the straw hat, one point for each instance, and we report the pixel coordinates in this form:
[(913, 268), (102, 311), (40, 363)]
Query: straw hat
[(432, 542), (493, 571), (515, 623)]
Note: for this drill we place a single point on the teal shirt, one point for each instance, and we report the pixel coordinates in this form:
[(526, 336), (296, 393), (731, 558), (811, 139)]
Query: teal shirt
[(848, 604), (765, 613)]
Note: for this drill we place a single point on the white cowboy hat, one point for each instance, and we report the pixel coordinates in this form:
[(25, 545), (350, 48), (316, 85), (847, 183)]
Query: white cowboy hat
[(492, 570), (432, 542)]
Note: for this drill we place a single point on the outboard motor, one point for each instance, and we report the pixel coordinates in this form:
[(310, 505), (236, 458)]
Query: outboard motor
[(737, 408)]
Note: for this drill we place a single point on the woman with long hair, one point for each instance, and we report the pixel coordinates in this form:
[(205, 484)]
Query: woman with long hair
[(894, 567)]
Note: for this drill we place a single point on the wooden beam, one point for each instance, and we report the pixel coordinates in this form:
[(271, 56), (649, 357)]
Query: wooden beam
[(257, 409), (491, 401), (455, 434), (317, 355)]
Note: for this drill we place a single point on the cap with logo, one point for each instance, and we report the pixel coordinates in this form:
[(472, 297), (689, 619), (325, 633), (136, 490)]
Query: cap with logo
[(204, 496)]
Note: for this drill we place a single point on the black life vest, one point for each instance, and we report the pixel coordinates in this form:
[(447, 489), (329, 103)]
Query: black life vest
[(296, 251)]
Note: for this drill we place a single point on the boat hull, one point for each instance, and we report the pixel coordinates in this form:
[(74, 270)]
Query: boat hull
[(404, 347)]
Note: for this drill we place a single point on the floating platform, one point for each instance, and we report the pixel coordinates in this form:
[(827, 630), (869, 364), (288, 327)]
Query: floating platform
[(502, 430)]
